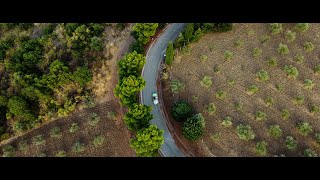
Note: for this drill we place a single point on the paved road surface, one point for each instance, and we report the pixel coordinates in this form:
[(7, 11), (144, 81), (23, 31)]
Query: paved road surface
[(154, 55)]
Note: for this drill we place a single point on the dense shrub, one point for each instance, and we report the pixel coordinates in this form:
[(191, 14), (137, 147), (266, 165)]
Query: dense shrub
[(98, 141), (181, 111), (291, 71), (276, 28), (275, 131), (283, 49), (310, 153), (138, 117), (206, 82), (304, 128), (308, 47), (291, 143), (245, 132), (252, 89), (262, 75), (261, 148), (302, 27), (193, 127), (290, 36), (227, 121), (260, 115)]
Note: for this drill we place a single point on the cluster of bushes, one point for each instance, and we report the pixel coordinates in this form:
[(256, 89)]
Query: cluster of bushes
[(40, 79), (142, 32)]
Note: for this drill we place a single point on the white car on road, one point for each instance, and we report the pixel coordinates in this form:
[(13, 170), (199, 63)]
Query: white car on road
[(155, 98)]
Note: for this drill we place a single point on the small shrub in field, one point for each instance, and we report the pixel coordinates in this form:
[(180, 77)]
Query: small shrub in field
[(292, 72), (260, 115), (238, 106), (206, 82), (283, 49), (304, 128), (308, 47), (269, 101), (272, 62), (314, 109), (227, 121), (112, 115), (276, 28), (291, 143), (298, 100), (220, 94), (261, 148), (239, 43), (55, 132), (216, 137), (42, 154), (279, 87), (299, 59), (317, 69), (8, 151), (195, 98), (212, 47), (203, 58), (193, 127), (302, 27), (308, 84), (231, 82), (262, 75), (93, 119), (264, 39), (38, 140), (317, 137), (181, 111), (98, 141), (73, 128), (216, 69), (275, 131), (228, 55), (250, 32), (310, 153), (290, 36), (285, 114), (89, 102), (78, 147), (211, 108), (177, 86), (245, 132), (252, 89), (23, 146), (61, 154), (256, 52)]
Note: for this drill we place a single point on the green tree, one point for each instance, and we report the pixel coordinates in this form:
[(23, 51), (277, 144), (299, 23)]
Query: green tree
[(82, 75), (143, 31), (131, 64), (181, 111), (193, 127), (310, 153), (148, 141), (96, 43), (20, 109), (138, 117), (169, 53), (189, 31)]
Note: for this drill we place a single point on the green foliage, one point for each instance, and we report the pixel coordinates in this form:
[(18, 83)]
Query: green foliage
[(302, 27), (8, 151), (245, 132), (264, 39), (299, 59), (279, 87), (188, 31), (227, 121), (169, 53), (291, 71), (317, 69), (181, 111), (3, 101), (78, 147), (193, 127), (276, 28), (269, 101), (131, 64), (231, 82), (98, 141), (94, 119), (206, 81), (203, 58), (23, 146), (143, 31), (285, 114), (291, 143), (290, 36), (138, 117), (239, 43), (308, 84), (275, 131), (317, 137), (73, 128), (96, 43), (283, 49), (238, 106), (61, 154), (38, 140), (177, 86), (260, 115), (211, 108), (298, 100), (304, 128), (256, 52), (216, 27), (55, 132), (310, 153), (252, 89), (314, 109), (197, 34), (20, 109), (308, 47), (148, 141), (261, 148), (82, 75), (262, 75), (112, 115), (216, 68), (228, 55), (220, 94)]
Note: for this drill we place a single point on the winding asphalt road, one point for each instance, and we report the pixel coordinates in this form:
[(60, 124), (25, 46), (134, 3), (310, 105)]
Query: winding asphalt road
[(150, 74)]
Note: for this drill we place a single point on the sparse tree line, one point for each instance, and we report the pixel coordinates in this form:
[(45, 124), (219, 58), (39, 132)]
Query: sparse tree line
[(45, 75), (148, 138)]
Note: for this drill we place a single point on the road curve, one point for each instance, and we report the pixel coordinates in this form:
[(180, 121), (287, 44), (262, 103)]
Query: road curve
[(150, 74)]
